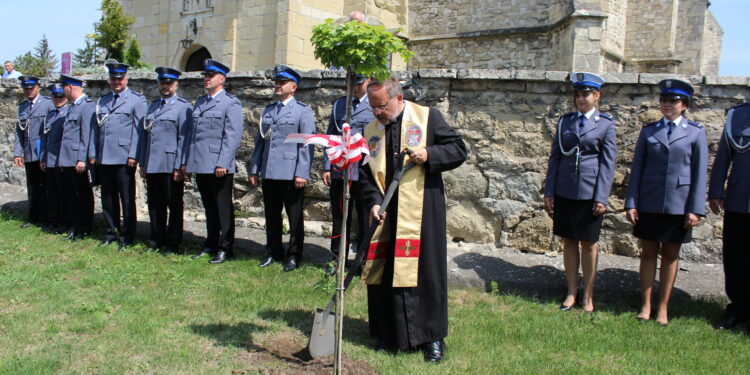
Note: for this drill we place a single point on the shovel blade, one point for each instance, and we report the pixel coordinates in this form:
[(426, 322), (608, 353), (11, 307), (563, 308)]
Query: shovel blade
[(322, 335)]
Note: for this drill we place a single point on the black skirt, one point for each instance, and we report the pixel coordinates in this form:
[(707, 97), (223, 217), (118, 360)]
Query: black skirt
[(662, 228), (574, 219)]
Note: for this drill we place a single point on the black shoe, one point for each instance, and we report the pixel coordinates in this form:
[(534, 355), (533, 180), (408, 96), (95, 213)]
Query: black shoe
[(123, 245), (78, 237), (267, 262), (565, 308), (220, 257), (69, 236), (204, 252), (106, 242), (290, 265), (26, 224), (152, 249), (434, 351), (730, 322)]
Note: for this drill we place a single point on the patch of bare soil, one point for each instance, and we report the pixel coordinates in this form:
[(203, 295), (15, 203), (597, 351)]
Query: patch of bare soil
[(285, 353)]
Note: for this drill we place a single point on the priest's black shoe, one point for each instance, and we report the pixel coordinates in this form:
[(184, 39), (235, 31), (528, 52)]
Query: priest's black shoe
[(220, 257), (123, 245), (69, 236), (382, 346), (107, 242), (266, 262), (204, 252), (730, 322), (290, 265), (434, 351), (78, 237), (26, 224)]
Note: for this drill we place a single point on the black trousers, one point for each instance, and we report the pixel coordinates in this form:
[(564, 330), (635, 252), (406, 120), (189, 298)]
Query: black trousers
[(35, 191), (337, 200), (118, 188), (79, 201), (216, 194), (55, 199), (165, 193), (736, 263), (278, 195)]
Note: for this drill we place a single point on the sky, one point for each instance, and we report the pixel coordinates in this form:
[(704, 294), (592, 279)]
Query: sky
[(65, 27)]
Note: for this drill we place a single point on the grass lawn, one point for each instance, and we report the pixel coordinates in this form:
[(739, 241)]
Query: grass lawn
[(78, 309)]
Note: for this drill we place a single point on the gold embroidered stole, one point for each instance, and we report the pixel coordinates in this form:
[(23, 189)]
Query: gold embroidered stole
[(410, 201)]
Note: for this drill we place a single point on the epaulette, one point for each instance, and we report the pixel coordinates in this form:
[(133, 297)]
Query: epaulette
[(651, 123), (697, 125), (570, 114), (302, 104), (606, 115), (155, 101), (46, 97), (229, 95), (136, 93), (183, 100)]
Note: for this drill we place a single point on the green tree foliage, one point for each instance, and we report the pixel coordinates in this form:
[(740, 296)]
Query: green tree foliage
[(111, 31), (41, 63), (362, 47), (133, 55), (86, 57)]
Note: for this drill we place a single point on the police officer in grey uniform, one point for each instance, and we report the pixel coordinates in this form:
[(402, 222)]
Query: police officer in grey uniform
[(361, 115), (213, 143), (59, 220), (667, 191), (27, 148), (115, 142), (162, 155), (735, 201), (284, 168), (580, 172), (74, 149)]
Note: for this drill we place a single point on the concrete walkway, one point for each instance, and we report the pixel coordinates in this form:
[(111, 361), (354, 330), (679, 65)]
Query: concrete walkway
[(474, 265)]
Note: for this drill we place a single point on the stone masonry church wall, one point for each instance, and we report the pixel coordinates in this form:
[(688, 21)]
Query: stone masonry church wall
[(507, 119)]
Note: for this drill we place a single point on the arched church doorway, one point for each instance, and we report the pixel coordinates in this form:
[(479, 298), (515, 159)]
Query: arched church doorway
[(195, 60)]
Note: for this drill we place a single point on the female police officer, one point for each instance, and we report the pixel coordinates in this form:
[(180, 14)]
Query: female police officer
[(667, 191), (579, 179)]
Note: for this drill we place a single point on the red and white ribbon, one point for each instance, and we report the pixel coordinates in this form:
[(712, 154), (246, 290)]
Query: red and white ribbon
[(341, 153)]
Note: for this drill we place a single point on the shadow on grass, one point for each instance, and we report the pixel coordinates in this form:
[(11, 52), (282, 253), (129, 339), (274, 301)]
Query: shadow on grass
[(616, 290), (238, 335), (356, 331)]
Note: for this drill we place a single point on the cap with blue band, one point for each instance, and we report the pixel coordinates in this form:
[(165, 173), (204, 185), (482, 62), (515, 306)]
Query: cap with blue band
[(56, 89), (211, 66), (117, 70), (586, 81), (285, 73), (676, 89), (166, 74), (68, 80), (28, 81)]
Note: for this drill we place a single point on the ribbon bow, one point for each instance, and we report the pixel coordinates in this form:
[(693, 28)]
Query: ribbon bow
[(342, 150)]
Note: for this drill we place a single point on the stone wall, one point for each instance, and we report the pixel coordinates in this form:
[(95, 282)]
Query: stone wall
[(506, 117)]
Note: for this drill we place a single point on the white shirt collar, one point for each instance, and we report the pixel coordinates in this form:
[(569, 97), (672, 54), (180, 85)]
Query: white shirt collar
[(217, 94), (588, 114), (362, 99), (677, 121), (79, 99), (36, 99), (285, 102)]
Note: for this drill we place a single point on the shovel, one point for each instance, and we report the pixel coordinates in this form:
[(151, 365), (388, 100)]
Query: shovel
[(322, 339)]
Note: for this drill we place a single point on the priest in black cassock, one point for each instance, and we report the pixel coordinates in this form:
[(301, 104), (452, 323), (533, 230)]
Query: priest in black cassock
[(406, 268)]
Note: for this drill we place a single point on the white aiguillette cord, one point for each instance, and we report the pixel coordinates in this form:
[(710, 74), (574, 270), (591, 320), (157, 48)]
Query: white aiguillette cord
[(574, 150), (730, 139)]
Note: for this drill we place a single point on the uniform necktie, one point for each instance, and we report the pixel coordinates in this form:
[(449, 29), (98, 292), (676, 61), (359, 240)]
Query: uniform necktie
[(671, 127), (355, 103), (581, 123), (163, 102), (278, 107), (114, 101)]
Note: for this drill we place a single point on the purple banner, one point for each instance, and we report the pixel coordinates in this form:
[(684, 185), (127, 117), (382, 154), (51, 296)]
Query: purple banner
[(65, 63)]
